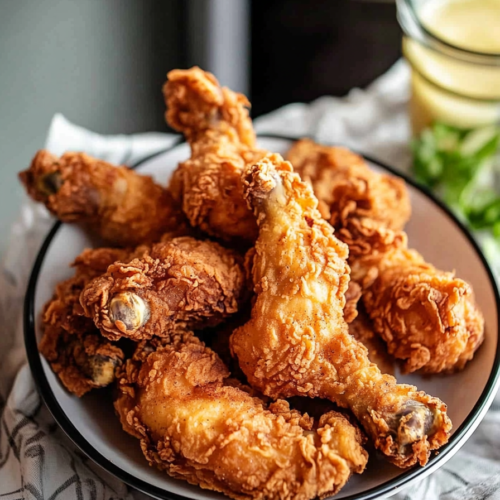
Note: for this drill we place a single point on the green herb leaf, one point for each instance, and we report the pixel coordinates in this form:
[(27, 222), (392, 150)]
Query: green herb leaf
[(455, 163)]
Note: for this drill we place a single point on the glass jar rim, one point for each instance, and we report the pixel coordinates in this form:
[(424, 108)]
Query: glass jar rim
[(413, 27)]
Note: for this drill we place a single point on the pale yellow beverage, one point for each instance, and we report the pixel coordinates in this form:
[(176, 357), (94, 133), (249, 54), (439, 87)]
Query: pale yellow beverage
[(469, 24), (453, 47)]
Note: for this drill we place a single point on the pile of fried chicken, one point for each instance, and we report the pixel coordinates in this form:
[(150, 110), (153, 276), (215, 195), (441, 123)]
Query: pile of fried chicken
[(249, 284)]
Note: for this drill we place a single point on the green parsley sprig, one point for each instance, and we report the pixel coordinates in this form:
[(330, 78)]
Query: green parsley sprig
[(461, 167)]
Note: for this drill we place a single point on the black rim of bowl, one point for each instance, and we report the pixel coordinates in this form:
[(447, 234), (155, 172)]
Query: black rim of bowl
[(73, 433)]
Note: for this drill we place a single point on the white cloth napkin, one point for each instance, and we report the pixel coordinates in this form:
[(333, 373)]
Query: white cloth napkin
[(38, 461)]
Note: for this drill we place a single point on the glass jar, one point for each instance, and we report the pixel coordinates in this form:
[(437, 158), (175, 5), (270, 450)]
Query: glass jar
[(454, 83)]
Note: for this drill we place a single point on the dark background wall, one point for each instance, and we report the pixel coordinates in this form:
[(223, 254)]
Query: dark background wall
[(302, 50)]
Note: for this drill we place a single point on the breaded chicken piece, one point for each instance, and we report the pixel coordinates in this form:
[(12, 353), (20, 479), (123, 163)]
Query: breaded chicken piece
[(121, 206), (216, 124), (297, 341), (181, 283), (77, 353), (352, 197), (83, 361), (427, 317), (352, 298), (197, 425), (217, 339), (361, 328)]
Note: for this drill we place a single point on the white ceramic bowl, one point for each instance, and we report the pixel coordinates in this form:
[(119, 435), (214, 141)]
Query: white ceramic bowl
[(90, 421)]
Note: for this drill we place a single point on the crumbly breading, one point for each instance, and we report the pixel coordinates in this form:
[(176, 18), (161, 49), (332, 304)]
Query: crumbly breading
[(297, 341), (196, 425), (177, 284), (71, 343), (427, 317), (361, 328), (216, 123), (352, 197), (121, 206)]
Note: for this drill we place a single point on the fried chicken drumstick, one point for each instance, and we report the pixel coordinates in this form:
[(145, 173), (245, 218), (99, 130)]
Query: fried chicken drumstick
[(297, 341), (123, 207), (216, 124), (178, 283), (427, 317), (76, 351), (355, 200), (197, 425)]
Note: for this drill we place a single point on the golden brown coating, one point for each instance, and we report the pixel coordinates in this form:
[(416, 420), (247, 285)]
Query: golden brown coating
[(217, 339), (180, 283), (123, 207), (77, 353), (427, 317), (353, 198), (361, 328), (352, 298), (197, 103), (297, 341), (216, 124), (196, 425), (83, 360)]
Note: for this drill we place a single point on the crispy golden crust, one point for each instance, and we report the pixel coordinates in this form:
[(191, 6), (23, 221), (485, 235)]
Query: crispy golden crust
[(361, 328), (352, 297), (474, 322), (197, 427), (297, 341), (197, 103), (216, 124), (72, 345), (352, 197), (217, 339), (83, 360), (123, 207), (176, 284), (427, 317)]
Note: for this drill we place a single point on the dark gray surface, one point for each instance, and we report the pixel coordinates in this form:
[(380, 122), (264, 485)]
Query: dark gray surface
[(302, 50)]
